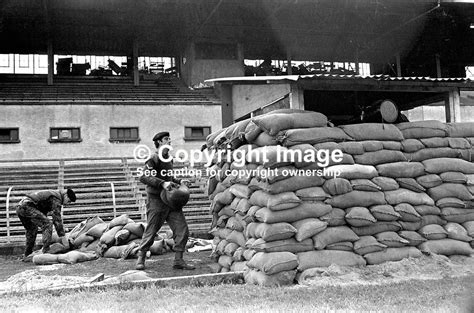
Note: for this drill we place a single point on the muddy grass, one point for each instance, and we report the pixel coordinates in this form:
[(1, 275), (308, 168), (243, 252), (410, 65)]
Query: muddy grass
[(157, 266)]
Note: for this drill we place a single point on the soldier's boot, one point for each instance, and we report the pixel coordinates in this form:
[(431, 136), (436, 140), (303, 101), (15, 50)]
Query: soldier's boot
[(141, 261), (180, 264)]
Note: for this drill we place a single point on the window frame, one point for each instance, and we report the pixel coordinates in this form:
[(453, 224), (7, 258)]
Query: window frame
[(17, 140), (124, 139), (64, 140), (187, 137)]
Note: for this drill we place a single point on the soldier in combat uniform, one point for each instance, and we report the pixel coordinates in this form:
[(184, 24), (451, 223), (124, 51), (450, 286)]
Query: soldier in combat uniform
[(33, 210), (155, 178)]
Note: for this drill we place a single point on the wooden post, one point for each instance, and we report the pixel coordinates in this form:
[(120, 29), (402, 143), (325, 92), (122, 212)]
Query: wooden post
[(453, 107), (296, 97), (288, 62), (50, 62)]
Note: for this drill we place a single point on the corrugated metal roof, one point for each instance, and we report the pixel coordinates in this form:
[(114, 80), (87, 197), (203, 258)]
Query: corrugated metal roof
[(337, 76)]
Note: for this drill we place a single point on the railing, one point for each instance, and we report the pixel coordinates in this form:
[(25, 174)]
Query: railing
[(8, 213)]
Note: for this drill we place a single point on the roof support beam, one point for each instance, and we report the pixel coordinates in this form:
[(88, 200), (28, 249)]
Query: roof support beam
[(453, 106)]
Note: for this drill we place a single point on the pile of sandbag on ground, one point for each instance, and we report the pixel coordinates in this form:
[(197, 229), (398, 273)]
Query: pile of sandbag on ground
[(399, 192)]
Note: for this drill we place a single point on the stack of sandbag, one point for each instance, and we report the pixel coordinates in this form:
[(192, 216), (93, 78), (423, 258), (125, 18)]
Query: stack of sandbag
[(394, 196)]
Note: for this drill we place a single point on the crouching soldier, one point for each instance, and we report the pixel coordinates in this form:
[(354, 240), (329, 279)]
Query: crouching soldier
[(33, 210), (155, 178)]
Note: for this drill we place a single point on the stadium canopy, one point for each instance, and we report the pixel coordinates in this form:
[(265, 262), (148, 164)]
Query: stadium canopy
[(332, 30)]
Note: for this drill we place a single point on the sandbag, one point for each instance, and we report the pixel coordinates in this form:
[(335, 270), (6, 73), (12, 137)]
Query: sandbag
[(352, 171), (273, 262), (412, 145), (372, 145), (121, 237), (433, 232), (57, 248), (359, 216), (333, 234), (304, 210), (384, 213), (453, 177), (108, 238), (423, 129), (432, 153), (392, 145), (457, 215), (446, 247), (115, 252), (336, 217), (447, 190), (79, 240), (252, 131), (236, 237), (276, 231), (239, 267), (401, 169), (376, 228), (368, 244), (373, 131), (74, 257), (411, 226), (312, 136), (312, 194), (159, 247), (413, 238), (441, 165), (380, 157), (45, 259), (391, 239), (230, 249), (279, 279), (292, 184), (392, 254), (457, 129), (410, 184), (337, 186), (308, 227), (407, 212), (240, 190), (429, 180), (269, 156), (385, 183), (357, 198), (427, 210), (402, 195), (435, 142), (457, 232), (289, 245), (364, 185), (263, 140), (274, 123), (469, 226), (451, 202), (83, 227), (136, 229), (121, 220), (325, 258), (352, 147), (432, 219), (459, 143), (341, 246), (243, 206)]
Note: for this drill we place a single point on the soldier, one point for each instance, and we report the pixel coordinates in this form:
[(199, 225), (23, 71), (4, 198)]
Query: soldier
[(33, 210), (154, 176)]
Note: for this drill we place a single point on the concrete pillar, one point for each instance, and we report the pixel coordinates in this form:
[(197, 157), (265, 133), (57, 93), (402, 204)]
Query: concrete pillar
[(50, 62), (136, 77), (453, 107), (227, 111), (296, 97)]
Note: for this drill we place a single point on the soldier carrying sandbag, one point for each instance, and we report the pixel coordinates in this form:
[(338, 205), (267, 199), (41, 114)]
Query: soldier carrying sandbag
[(165, 199), (33, 210)]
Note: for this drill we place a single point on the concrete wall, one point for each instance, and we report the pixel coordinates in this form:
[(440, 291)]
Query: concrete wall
[(195, 71), (247, 98), (34, 123)]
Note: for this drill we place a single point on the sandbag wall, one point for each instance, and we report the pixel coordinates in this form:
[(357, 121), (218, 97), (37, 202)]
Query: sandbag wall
[(403, 189)]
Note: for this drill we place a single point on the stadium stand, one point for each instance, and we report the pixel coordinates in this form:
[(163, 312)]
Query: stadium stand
[(104, 187)]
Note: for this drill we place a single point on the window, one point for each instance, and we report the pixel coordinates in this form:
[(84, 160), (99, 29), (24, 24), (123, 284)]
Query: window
[(65, 134), (124, 134), (9, 135), (196, 132)]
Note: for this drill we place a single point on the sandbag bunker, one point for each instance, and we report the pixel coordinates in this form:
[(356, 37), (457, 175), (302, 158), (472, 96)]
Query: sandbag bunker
[(94, 238), (403, 190)]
